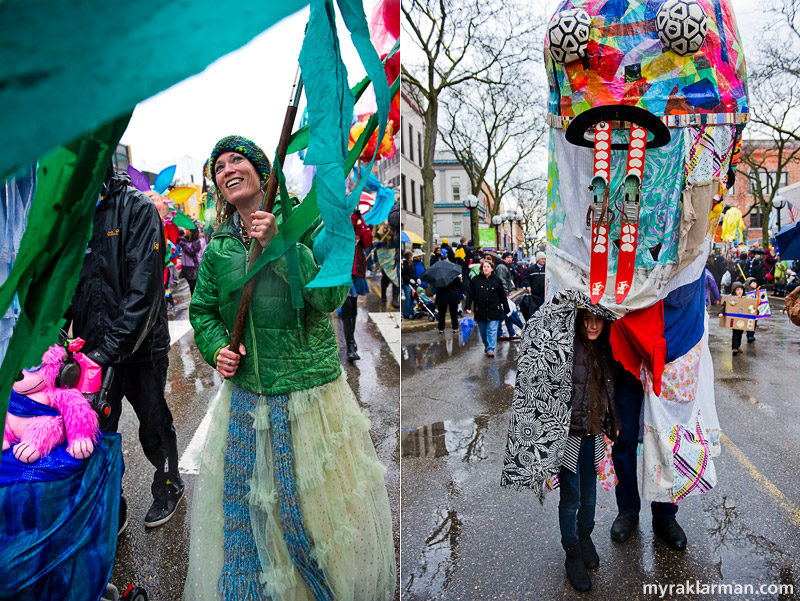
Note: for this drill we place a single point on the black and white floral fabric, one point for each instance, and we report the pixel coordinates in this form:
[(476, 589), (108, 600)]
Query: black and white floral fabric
[(542, 407)]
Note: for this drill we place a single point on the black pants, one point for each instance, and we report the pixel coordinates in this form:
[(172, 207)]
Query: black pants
[(143, 385), (736, 339), (442, 309), (191, 285), (385, 281), (630, 395), (350, 308)]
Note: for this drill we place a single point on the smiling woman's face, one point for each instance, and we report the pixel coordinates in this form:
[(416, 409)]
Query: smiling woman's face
[(236, 178), (593, 324)]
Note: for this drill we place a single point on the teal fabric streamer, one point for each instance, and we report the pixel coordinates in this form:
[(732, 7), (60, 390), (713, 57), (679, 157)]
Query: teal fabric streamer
[(100, 58), (355, 19), (330, 109)]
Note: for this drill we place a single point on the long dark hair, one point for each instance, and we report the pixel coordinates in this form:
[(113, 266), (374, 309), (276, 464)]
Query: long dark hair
[(597, 350)]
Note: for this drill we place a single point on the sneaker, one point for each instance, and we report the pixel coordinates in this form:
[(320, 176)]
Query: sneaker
[(123, 515), (164, 505)]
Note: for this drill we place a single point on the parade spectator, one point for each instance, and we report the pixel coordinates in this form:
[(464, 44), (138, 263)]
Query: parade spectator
[(448, 251), (447, 300), (742, 267), (503, 272), (769, 265), (119, 310), (392, 240), (291, 457), (725, 282), (757, 267), (419, 266), (593, 414), (409, 278), (712, 292), (359, 288), (535, 279), (486, 293), (780, 276), (436, 255), (192, 245), (720, 266)]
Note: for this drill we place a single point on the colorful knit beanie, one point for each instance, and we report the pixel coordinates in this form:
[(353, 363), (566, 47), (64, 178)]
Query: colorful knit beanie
[(245, 147)]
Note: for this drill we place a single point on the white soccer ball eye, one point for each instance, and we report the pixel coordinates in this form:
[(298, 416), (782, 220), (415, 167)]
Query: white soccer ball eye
[(682, 26), (568, 35)]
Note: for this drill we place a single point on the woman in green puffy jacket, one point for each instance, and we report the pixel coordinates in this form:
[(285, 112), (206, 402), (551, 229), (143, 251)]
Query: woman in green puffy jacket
[(290, 501)]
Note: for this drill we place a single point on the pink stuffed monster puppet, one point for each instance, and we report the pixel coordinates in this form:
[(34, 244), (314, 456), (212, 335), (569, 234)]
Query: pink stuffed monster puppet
[(34, 437)]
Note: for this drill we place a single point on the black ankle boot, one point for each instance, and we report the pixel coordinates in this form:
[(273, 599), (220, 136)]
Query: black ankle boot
[(352, 355), (576, 571), (590, 558), (349, 329)]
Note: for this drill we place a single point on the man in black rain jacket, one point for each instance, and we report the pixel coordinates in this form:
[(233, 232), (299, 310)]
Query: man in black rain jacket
[(119, 310)]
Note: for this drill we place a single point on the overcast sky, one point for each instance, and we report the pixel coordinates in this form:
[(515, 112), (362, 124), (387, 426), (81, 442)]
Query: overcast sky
[(245, 93)]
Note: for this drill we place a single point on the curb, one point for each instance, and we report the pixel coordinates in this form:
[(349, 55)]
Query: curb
[(408, 326)]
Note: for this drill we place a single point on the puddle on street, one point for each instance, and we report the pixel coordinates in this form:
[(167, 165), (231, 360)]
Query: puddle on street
[(739, 553), (458, 438), (434, 571)]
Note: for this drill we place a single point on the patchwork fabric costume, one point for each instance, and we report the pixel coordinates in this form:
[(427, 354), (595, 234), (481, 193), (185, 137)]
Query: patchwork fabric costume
[(647, 105)]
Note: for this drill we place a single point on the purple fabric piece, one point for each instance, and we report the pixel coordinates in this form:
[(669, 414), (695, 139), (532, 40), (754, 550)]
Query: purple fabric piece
[(712, 291), (138, 179)]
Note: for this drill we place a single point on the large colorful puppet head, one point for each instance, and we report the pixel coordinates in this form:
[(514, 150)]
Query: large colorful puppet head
[(622, 72)]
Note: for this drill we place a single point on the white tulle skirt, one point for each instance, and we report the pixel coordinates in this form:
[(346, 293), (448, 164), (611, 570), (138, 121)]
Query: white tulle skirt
[(342, 496)]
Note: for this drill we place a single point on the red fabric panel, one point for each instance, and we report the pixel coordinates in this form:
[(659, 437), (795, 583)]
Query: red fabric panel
[(639, 336)]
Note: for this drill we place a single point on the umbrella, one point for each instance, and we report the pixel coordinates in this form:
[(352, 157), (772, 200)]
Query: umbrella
[(467, 325), (491, 253), (441, 273), (787, 242), (410, 237)]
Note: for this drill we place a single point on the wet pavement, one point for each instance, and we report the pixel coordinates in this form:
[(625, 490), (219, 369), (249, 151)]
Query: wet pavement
[(157, 559), (466, 538)]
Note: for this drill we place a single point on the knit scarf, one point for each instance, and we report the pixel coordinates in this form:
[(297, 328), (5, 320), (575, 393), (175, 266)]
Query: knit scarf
[(240, 572)]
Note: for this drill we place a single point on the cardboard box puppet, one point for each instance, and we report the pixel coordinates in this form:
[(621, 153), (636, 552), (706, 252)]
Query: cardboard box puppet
[(740, 313)]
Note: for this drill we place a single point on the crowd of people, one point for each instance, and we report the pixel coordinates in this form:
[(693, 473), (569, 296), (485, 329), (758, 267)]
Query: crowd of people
[(481, 271), (765, 267)]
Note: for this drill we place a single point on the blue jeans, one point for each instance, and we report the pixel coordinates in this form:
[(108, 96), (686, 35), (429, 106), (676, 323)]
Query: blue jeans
[(510, 325), (408, 304), (578, 494), (488, 331), (629, 395)]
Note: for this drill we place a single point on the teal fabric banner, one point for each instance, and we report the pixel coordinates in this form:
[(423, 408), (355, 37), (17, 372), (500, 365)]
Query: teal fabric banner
[(67, 67)]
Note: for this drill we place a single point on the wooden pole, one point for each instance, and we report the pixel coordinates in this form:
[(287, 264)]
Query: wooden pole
[(267, 203)]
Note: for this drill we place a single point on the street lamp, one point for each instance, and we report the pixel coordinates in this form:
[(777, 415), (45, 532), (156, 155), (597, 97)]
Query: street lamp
[(778, 203), (497, 221), (471, 203)]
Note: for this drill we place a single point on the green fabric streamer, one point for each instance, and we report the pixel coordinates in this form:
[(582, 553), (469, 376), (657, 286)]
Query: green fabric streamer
[(51, 252), (68, 67), (292, 258), (330, 110)]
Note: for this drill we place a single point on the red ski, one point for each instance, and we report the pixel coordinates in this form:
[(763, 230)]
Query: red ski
[(598, 269), (630, 211)]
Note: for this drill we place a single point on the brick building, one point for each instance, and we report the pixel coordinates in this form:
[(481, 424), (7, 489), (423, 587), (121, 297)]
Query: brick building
[(764, 154)]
